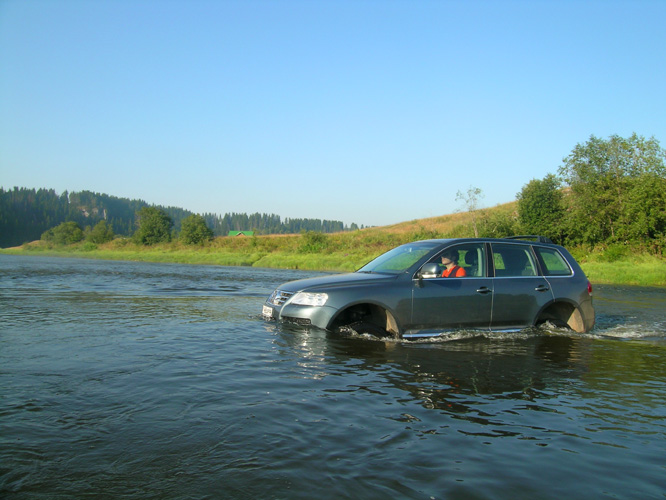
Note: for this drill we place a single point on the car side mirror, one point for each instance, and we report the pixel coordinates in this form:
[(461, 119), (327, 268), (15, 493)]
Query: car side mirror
[(429, 270)]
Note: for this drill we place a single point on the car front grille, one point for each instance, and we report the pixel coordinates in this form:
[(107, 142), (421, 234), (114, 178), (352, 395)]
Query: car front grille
[(297, 321), (278, 297)]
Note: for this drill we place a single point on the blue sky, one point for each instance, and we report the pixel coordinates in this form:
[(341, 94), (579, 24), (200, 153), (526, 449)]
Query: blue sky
[(373, 112)]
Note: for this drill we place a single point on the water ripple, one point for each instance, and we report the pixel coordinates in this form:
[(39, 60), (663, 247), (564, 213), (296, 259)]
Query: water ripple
[(161, 381)]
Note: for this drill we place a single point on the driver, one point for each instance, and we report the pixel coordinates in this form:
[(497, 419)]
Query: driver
[(451, 267)]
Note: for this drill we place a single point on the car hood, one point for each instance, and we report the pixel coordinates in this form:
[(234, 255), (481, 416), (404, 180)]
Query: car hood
[(335, 280)]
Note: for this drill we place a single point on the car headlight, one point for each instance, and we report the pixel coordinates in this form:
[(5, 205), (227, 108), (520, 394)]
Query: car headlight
[(309, 299)]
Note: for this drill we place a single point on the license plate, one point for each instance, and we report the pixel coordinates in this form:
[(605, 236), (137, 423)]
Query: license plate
[(267, 312)]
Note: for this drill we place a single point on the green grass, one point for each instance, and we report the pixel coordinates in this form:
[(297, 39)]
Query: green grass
[(638, 269), (336, 252)]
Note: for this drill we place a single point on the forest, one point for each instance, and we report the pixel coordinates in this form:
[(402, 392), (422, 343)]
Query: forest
[(26, 214)]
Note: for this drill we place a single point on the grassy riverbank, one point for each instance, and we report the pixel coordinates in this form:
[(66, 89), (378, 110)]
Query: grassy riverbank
[(336, 252)]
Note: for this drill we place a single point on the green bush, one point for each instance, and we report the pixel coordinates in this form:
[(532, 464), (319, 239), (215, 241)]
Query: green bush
[(154, 226), (63, 234), (313, 242), (194, 230), (101, 233)]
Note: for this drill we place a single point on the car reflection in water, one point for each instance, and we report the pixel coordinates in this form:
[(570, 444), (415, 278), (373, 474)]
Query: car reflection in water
[(444, 374)]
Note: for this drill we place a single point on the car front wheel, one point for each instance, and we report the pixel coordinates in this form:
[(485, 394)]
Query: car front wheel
[(364, 328)]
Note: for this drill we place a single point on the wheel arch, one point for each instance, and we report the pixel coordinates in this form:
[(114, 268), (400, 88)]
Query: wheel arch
[(562, 312), (371, 312)]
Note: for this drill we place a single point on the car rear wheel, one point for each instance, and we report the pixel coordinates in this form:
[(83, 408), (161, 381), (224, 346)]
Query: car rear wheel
[(563, 315)]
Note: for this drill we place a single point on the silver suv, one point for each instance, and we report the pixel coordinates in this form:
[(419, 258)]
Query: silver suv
[(425, 288)]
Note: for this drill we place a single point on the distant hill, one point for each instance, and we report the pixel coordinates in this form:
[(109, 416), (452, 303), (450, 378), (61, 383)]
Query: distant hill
[(446, 224), (26, 213)]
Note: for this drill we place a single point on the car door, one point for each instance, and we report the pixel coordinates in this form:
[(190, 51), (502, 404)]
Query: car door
[(445, 303), (519, 293)]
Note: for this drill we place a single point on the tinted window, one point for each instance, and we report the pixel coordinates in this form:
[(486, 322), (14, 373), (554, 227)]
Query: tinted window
[(513, 260), (552, 262)]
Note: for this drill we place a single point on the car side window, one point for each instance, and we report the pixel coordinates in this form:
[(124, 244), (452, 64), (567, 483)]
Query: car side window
[(513, 260), (552, 262), (470, 257)]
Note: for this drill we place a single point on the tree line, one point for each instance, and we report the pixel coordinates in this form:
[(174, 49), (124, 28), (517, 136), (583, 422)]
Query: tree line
[(607, 193), (26, 214)]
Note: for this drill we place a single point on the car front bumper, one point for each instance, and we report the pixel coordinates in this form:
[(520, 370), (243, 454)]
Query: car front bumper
[(319, 316)]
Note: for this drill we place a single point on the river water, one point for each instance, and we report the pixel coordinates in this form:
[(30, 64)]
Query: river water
[(134, 380)]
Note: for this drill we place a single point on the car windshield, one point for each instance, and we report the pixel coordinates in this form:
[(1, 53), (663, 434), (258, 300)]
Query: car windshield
[(399, 259)]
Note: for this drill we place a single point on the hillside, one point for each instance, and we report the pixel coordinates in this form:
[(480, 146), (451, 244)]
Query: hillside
[(446, 224)]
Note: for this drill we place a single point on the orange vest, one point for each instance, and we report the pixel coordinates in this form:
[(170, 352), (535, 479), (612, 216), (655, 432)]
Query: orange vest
[(454, 272)]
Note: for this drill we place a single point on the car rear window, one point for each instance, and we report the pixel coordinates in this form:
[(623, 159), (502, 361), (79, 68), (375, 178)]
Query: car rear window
[(552, 262)]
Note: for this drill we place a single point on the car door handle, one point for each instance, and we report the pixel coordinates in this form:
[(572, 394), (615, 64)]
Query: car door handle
[(542, 288), (484, 290)]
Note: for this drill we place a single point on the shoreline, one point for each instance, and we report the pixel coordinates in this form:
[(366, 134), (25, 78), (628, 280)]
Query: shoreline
[(639, 270)]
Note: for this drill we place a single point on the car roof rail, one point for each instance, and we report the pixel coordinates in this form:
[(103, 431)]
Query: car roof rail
[(538, 239)]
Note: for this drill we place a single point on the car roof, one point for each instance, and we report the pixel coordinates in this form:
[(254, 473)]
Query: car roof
[(510, 239)]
